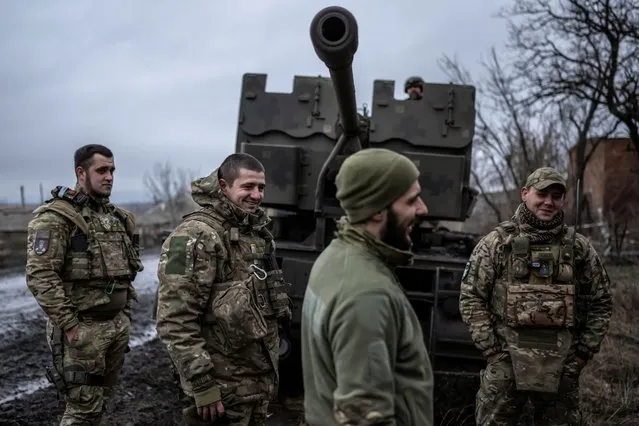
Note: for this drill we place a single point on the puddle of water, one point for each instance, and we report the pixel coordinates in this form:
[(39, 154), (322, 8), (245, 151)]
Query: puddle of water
[(24, 389)]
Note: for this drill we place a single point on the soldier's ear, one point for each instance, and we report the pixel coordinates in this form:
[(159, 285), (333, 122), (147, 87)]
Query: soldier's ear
[(79, 173), (380, 216)]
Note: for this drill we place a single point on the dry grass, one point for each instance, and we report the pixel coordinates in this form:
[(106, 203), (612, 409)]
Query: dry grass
[(610, 382)]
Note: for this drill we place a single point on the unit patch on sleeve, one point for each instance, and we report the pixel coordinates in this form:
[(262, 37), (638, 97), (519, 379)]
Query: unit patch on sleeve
[(41, 243), (176, 255)]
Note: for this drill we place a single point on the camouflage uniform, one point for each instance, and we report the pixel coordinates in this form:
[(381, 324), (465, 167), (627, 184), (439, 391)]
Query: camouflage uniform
[(82, 256), (221, 299), (536, 294)]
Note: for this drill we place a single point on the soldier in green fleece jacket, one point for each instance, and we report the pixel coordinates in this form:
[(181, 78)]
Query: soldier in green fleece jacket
[(363, 354)]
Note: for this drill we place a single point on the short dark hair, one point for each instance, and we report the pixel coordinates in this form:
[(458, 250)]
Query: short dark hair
[(84, 155), (230, 168)]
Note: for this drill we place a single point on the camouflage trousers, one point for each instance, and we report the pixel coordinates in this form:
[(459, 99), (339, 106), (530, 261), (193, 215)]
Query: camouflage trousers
[(245, 403), (91, 365), (499, 403)]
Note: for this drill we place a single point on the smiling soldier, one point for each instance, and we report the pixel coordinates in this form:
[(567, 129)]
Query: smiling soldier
[(363, 353), (82, 257), (222, 299), (536, 299)]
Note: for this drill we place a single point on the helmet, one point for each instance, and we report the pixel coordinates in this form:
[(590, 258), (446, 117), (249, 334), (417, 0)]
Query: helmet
[(413, 81)]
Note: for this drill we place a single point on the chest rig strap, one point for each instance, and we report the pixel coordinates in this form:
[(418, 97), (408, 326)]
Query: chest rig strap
[(519, 248), (277, 287)]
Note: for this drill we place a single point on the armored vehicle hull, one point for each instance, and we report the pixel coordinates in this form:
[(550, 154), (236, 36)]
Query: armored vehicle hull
[(303, 137)]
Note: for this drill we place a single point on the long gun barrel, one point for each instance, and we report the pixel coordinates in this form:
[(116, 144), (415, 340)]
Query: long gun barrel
[(335, 39)]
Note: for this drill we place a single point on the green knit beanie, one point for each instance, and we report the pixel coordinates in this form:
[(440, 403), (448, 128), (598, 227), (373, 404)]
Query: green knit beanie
[(372, 179)]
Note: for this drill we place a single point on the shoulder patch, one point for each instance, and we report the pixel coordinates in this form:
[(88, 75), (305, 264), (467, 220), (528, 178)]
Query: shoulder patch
[(176, 255), (41, 241)]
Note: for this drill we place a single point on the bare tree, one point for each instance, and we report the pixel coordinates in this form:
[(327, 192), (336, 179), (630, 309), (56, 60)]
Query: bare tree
[(513, 138), (580, 51), (169, 186)]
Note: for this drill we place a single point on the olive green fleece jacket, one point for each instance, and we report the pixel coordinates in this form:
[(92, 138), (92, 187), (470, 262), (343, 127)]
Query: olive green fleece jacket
[(363, 353)]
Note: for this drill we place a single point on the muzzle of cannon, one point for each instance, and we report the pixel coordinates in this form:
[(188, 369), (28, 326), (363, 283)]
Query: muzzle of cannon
[(334, 36)]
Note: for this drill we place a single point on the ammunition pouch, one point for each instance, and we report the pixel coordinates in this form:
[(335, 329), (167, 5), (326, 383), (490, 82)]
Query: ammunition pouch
[(277, 290), (235, 319), (548, 297), (280, 301), (540, 305)]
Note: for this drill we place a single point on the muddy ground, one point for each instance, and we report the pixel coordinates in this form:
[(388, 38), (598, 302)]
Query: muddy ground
[(146, 394)]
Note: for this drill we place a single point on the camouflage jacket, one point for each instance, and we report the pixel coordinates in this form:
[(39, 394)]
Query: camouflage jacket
[(577, 297), (363, 353), (82, 257), (220, 294)]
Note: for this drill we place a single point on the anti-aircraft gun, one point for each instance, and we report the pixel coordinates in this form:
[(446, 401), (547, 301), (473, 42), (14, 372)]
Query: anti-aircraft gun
[(303, 137)]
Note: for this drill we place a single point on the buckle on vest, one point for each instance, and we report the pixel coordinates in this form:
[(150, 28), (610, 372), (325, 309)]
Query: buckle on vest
[(261, 301)]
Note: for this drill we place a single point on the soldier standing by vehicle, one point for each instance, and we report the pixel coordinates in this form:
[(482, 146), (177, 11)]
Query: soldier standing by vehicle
[(221, 298), (363, 353), (536, 299), (82, 257), (414, 87)]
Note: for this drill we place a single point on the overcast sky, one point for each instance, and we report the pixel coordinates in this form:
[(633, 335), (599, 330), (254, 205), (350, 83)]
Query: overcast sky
[(159, 80)]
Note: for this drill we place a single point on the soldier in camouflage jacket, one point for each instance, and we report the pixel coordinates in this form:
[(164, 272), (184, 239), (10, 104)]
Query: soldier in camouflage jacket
[(536, 298), (221, 299), (82, 256)]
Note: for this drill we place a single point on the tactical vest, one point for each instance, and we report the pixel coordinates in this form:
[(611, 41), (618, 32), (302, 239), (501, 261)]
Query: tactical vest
[(539, 281), (251, 259), (536, 298), (103, 250)]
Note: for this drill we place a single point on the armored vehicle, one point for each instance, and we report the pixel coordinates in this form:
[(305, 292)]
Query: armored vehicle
[(303, 137)]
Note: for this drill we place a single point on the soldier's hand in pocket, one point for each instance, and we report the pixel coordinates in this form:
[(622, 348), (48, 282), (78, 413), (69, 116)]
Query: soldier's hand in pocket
[(71, 334), (212, 411)]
